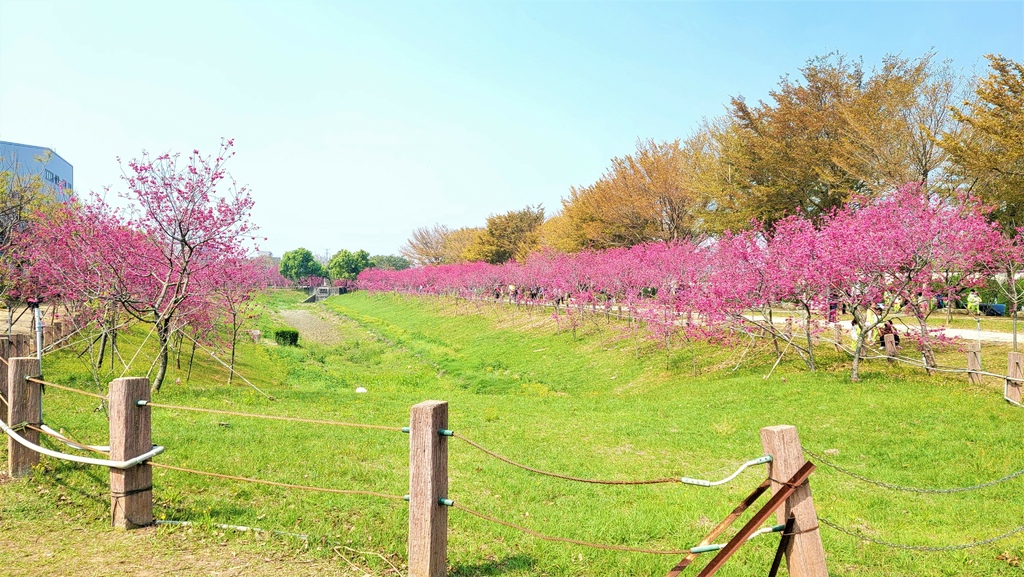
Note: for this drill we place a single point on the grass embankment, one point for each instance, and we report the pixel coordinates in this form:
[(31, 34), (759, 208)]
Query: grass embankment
[(598, 404)]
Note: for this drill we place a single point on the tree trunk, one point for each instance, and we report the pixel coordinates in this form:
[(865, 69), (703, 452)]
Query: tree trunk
[(113, 348), (775, 337), (188, 376), (234, 341), (103, 347), (1015, 327), (162, 338), (810, 341), (926, 347), (862, 335), (855, 372)]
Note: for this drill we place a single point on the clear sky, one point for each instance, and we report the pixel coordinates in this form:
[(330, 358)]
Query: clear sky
[(357, 122)]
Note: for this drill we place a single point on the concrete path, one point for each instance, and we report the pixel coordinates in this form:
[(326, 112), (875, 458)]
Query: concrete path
[(966, 334)]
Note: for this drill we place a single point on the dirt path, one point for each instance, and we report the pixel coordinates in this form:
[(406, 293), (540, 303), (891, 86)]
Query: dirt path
[(313, 326)]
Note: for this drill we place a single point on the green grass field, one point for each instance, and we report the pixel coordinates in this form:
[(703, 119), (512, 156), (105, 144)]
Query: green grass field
[(600, 403)]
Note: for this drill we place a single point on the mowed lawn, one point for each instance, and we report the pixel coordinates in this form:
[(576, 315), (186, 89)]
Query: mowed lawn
[(599, 403)]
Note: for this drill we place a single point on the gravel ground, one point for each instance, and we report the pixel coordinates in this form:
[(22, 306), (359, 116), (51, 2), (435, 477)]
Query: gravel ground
[(313, 326)]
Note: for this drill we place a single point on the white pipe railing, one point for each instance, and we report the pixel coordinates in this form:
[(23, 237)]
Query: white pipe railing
[(77, 459)]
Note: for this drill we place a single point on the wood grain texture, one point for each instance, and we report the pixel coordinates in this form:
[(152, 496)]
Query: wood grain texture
[(1014, 376), (428, 482), (131, 490), (24, 406), (974, 362), (5, 353), (806, 556)]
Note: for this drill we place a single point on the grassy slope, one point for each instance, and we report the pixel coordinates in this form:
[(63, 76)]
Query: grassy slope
[(599, 405)]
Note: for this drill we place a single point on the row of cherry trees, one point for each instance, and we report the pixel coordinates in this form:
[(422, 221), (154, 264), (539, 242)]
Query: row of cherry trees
[(174, 254), (902, 251)]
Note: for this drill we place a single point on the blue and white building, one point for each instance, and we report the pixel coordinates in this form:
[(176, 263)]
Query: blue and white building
[(25, 160)]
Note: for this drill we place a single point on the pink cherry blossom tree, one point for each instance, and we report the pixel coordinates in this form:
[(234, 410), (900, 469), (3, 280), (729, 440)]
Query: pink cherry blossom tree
[(184, 221)]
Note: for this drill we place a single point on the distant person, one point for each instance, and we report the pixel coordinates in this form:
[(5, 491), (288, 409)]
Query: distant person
[(833, 308), (888, 329), (974, 303)]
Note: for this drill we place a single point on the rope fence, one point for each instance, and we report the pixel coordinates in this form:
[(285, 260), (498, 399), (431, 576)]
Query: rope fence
[(921, 548), (685, 480), (437, 433), (63, 388), (946, 491), (269, 417), (278, 484), (545, 537)]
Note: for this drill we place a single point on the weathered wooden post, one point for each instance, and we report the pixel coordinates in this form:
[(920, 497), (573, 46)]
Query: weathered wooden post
[(131, 490), (5, 353), (805, 556), (58, 331), (19, 345), (428, 485), (838, 338), (1014, 377), (24, 407), (890, 346), (974, 362)]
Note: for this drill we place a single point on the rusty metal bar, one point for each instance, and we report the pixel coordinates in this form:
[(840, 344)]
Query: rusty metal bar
[(777, 500), (787, 536), (722, 526)]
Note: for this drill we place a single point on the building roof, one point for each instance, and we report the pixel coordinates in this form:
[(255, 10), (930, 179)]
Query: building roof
[(46, 148)]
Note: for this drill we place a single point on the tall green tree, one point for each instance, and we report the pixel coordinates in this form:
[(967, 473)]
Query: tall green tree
[(645, 196), (389, 262), (785, 150), (513, 235), (887, 139), (347, 265), (300, 263), (989, 153)]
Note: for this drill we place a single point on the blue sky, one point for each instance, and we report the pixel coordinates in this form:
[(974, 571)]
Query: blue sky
[(356, 123)]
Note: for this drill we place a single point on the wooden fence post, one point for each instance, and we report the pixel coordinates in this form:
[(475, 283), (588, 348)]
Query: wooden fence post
[(838, 338), (5, 353), (805, 556), (19, 345), (25, 405), (428, 483), (890, 346), (1014, 377), (131, 490), (974, 362)]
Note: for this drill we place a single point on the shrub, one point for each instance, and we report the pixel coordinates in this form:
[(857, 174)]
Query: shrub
[(287, 337)]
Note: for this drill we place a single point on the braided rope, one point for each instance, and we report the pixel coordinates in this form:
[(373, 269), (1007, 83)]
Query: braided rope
[(927, 548), (63, 388), (545, 537), (908, 489), (560, 476), (274, 417), (279, 484)]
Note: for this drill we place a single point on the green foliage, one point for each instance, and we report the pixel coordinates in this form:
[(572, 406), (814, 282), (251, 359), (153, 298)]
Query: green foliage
[(389, 262), (597, 406), (298, 264), (347, 265), (287, 337), (513, 235), (990, 152)]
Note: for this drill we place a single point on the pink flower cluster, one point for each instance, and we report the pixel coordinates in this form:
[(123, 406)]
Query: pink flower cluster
[(903, 247)]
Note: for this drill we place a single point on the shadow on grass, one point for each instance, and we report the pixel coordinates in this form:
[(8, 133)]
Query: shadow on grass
[(495, 567)]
